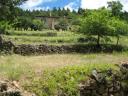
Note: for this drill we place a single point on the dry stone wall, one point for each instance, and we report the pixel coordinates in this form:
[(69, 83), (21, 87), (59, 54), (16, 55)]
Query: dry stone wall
[(107, 83), (29, 49), (49, 49)]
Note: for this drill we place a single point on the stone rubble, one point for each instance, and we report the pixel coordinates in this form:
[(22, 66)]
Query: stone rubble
[(8, 88), (106, 83)]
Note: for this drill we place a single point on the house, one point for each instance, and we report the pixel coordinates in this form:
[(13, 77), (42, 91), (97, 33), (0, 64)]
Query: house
[(51, 21)]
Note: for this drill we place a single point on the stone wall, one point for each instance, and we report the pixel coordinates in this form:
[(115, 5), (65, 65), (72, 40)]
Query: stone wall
[(28, 49), (107, 83), (6, 46), (49, 49)]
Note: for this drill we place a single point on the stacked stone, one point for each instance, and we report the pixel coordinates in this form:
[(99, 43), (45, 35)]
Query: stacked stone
[(6, 46), (6, 90), (29, 49), (107, 83), (41, 49)]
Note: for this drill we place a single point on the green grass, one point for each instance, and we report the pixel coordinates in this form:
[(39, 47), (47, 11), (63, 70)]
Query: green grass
[(11, 68), (58, 38), (41, 33), (41, 40), (46, 75), (50, 75), (63, 81), (42, 37)]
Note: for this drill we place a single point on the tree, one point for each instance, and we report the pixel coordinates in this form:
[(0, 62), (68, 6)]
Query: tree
[(7, 8), (63, 24), (118, 28), (96, 24), (22, 22), (116, 7), (81, 11), (37, 25), (8, 12)]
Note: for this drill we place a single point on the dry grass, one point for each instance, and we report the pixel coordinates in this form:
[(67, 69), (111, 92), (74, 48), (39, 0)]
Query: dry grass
[(13, 66)]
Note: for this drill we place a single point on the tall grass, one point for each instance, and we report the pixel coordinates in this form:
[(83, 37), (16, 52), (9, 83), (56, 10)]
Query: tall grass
[(63, 82), (11, 67), (49, 75)]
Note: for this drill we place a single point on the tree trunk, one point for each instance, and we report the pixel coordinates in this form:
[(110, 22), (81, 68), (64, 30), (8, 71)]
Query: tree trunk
[(98, 40), (1, 40), (117, 40)]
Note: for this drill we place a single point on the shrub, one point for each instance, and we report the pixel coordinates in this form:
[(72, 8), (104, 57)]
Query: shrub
[(52, 34), (63, 25), (75, 28), (87, 39), (38, 24), (62, 82)]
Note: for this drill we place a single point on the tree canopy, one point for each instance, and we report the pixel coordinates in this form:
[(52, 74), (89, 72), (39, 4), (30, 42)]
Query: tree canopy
[(8, 8), (115, 7), (96, 24), (100, 23)]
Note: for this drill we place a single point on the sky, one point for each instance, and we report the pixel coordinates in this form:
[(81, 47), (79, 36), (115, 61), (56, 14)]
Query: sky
[(71, 4)]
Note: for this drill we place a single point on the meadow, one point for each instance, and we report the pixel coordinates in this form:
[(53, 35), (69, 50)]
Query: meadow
[(53, 74), (45, 74), (43, 37), (88, 42), (52, 37)]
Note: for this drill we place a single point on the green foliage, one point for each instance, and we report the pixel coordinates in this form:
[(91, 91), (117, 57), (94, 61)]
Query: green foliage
[(3, 26), (96, 24), (8, 9), (118, 28), (22, 23), (75, 28), (100, 23), (27, 23), (63, 81), (115, 7), (38, 24), (75, 24), (63, 25), (81, 11)]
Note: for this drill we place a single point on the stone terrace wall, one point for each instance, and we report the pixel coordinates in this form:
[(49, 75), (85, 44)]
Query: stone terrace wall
[(27, 49), (49, 49), (109, 83)]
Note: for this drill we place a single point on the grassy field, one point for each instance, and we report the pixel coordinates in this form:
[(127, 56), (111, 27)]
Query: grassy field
[(53, 37), (63, 71), (49, 75), (43, 37)]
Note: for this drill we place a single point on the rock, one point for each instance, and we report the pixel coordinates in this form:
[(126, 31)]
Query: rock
[(109, 83), (10, 93), (8, 88), (15, 83), (3, 86)]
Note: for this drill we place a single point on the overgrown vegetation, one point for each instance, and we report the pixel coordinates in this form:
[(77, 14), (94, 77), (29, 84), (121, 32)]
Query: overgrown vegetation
[(51, 75), (63, 81)]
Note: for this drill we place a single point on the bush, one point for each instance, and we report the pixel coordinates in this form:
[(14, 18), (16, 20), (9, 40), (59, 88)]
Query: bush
[(62, 82), (3, 26), (87, 39), (75, 28), (52, 34), (38, 24), (63, 25)]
